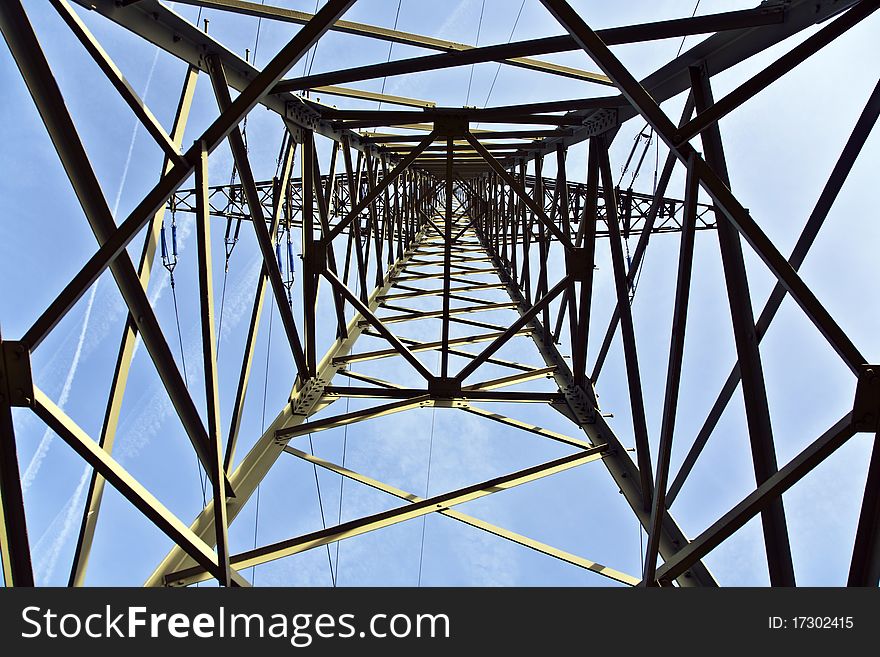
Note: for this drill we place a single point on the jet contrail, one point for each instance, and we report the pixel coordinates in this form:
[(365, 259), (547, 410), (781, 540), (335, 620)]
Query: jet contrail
[(36, 461), (33, 468), (146, 418), (70, 510)]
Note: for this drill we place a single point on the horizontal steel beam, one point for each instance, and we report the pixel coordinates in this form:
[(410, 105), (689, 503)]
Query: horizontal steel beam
[(360, 526)]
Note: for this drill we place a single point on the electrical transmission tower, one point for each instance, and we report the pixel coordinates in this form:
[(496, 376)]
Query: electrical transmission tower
[(422, 223)]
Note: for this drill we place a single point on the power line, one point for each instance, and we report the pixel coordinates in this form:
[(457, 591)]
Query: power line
[(390, 48), (477, 43), (498, 70)]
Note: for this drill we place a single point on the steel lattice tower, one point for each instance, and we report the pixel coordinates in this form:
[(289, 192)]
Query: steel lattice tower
[(421, 216)]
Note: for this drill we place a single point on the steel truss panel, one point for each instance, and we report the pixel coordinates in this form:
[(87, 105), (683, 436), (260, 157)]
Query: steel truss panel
[(422, 220)]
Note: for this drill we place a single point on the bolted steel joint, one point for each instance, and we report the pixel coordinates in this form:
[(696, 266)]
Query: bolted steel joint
[(866, 408), (16, 381), (445, 387), (577, 264)]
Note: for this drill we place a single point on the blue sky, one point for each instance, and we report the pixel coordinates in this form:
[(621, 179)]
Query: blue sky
[(780, 148)]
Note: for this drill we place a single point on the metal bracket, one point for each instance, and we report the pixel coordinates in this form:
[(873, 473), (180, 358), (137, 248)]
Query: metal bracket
[(576, 264), (295, 130), (600, 121), (16, 382), (444, 387), (453, 125), (306, 395), (576, 406), (866, 408), (315, 260)]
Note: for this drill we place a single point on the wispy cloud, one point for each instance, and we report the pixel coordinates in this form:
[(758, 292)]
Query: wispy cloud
[(60, 530), (151, 412), (39, 456)]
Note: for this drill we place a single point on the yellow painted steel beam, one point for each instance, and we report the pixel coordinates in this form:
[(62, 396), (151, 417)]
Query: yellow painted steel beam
[(422, 346), (117, 79), (525, 426), (430, 314), (514, 537), (354, 416), (439, 291), (305, 399), (383, 519), (425, 277), (366, 378), (126, 351), (363, 94), (520, 367), (128, 486), (513, 379), (395, 36)]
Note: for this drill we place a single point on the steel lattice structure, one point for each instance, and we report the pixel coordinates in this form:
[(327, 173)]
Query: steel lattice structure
[(419, 213)]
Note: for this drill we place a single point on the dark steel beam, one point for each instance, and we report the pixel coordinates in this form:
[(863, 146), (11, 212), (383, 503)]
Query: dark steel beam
[(865, 566), (513, 329), (757, 408), (47, 96), (720, 52), (519, 191), (264, 240), (581, 408), (209, 365), (772, 489), (642, 245), (385, 34), (627, 329), (402, 166), (378, 325), (15, 552), (113, 409), (252, 94), (542, 46), (482, 134), (673, 373), (732, 209), (865, 123), (797, 55), (280, 192), (447, 258)]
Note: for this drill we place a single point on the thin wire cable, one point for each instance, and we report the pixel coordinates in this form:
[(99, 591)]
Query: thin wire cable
[(321, 507), (656, 167), (427, 488), (202, 474), (653, 193), (357, 290), (222, 305), (228, 249), (179, 335), (428, 480), (639, 272), (678, 52), (344, 451), (498, 70), (307, 67), (471, 77), (342, 478), (257, 37), (262, 429), (390, 48)]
